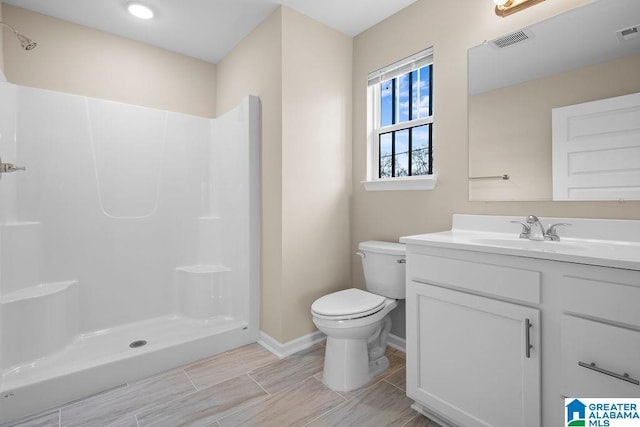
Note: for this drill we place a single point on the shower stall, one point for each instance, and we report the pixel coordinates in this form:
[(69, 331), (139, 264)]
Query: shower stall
[(128, 245)]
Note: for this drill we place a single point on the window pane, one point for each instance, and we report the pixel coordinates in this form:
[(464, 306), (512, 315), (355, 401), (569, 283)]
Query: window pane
[(420, 150), (415, 94), (402, 95), (386, 103), (386, 155), (421, 93), (423, 106), (402, 153)]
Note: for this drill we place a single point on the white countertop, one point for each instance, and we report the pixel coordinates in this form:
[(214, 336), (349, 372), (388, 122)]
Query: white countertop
[(607, 243)]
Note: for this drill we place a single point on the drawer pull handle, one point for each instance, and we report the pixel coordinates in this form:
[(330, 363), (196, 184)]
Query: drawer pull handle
[(623, 377), (527, 334)]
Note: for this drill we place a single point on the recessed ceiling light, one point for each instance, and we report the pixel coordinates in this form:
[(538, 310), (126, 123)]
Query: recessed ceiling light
[(140, 11)]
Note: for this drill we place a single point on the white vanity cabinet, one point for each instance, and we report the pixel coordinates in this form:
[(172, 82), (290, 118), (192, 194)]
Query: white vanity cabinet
[(500, 330), (473, 358)]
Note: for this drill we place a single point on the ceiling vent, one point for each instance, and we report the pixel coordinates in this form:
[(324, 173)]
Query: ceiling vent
[(629, 33), (513, 39)]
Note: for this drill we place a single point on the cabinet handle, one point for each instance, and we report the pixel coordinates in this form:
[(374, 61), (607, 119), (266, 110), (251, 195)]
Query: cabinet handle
[(527, 334), (623, 377)]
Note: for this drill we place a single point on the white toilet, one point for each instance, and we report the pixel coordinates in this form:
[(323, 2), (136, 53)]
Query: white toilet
[(357, 322)]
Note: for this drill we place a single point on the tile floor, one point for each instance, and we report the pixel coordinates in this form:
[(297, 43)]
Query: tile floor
[(247, 386)]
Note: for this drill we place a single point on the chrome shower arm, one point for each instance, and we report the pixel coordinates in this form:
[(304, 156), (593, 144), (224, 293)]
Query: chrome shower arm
[(25, 42)]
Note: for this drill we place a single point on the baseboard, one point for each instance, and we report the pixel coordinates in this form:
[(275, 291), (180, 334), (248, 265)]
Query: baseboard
[(291, 347), (427, 413), (304, 342), (397, 342)]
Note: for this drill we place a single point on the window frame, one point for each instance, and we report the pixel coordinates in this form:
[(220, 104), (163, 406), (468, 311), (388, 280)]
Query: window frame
[(374, 129)]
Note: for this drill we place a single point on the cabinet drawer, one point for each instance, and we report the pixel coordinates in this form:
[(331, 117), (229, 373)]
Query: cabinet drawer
[(616, 301), (501, 281), (611, 348)]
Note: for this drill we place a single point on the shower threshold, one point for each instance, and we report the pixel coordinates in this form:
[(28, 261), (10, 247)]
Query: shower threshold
[(103, 359)]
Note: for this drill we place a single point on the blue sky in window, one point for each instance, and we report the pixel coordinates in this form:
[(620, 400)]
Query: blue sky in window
[(420, 97)]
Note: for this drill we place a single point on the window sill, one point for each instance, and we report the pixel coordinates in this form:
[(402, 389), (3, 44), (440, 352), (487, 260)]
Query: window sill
[(407, 183)]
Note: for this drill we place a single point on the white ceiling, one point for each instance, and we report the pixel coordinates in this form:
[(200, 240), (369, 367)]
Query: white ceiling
[(583, 36), (209, 29)]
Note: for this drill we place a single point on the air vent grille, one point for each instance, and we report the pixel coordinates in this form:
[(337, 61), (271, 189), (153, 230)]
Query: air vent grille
[(629, 33), (511, 39)]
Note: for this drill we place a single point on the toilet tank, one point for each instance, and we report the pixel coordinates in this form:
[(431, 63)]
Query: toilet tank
[(384, 267)]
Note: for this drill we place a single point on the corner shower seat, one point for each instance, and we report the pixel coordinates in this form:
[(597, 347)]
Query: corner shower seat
[(204, 291), (48, 317)]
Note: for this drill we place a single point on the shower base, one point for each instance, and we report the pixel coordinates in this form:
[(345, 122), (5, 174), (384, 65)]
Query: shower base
[(101, 360)]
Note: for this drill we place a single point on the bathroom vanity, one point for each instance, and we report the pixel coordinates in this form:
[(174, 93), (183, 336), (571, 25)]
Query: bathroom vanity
[(500, 329)]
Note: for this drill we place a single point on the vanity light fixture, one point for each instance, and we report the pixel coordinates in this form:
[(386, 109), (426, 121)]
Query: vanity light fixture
[(508, 7), (140, 10)]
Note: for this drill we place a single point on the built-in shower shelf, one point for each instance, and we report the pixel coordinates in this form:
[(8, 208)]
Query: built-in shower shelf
[(20, 223), (37, 291), (210, 218), (203, 269)]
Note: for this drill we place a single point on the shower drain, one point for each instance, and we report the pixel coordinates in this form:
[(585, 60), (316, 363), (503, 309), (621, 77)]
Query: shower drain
[(138, 343)]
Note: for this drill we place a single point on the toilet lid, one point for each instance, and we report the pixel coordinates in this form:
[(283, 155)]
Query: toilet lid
[(348, 303)]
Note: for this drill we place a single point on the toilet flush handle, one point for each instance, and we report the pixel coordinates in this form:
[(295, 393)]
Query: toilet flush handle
[(361, 254), (402, 261)]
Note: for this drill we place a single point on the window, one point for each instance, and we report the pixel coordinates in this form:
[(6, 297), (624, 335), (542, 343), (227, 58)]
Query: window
[(400, 105)]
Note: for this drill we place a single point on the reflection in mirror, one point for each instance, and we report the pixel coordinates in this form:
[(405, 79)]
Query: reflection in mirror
[(587, 54)]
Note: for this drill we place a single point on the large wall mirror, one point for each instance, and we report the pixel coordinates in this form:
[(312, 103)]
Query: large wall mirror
[(521, 83)]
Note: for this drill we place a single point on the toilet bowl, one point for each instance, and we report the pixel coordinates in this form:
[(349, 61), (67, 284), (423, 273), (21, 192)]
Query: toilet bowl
[(357, 322)]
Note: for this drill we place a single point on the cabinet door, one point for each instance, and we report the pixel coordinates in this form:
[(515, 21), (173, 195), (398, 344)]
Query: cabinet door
[(467, 357)]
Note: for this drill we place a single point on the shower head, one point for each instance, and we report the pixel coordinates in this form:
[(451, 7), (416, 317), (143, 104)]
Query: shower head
[(25, 42)]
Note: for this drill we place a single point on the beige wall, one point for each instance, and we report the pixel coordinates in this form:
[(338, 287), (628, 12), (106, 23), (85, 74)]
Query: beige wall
[(521, 147), (316, 166), (76, 59), (302, 72), (451, 30), (255, 67)]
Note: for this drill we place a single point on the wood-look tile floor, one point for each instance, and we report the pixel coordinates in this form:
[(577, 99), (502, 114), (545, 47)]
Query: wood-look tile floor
[(247, 386)]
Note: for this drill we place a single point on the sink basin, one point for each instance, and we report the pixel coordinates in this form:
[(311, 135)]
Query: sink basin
[(539, 245), (606, 243)]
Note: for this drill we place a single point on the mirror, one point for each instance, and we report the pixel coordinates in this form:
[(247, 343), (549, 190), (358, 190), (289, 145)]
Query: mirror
[(589, 53)]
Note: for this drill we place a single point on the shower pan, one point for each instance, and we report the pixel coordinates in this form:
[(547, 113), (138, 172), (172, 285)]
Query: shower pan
[(128, 246)]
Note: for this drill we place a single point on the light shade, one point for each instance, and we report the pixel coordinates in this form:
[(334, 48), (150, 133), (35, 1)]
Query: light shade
[(505, 8), (140, 11)]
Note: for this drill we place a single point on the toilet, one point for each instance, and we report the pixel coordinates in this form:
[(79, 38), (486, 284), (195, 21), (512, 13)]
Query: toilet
[(357, 322)]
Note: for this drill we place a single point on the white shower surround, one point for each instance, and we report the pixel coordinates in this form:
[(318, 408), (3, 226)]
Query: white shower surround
[(129, 223)]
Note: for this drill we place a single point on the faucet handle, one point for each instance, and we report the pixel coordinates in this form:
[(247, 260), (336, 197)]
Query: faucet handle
[(552, 234), (525, 233), (10, 167)]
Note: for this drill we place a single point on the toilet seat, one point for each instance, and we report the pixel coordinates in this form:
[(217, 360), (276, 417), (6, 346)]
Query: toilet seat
[(347, 304)]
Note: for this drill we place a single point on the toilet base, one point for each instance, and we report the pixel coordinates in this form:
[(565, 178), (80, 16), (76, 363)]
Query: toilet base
[(378, 366), (347, 366)]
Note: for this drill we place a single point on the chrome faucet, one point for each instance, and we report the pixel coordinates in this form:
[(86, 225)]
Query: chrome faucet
[(533, 220), (9, 167), (549, 234)]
